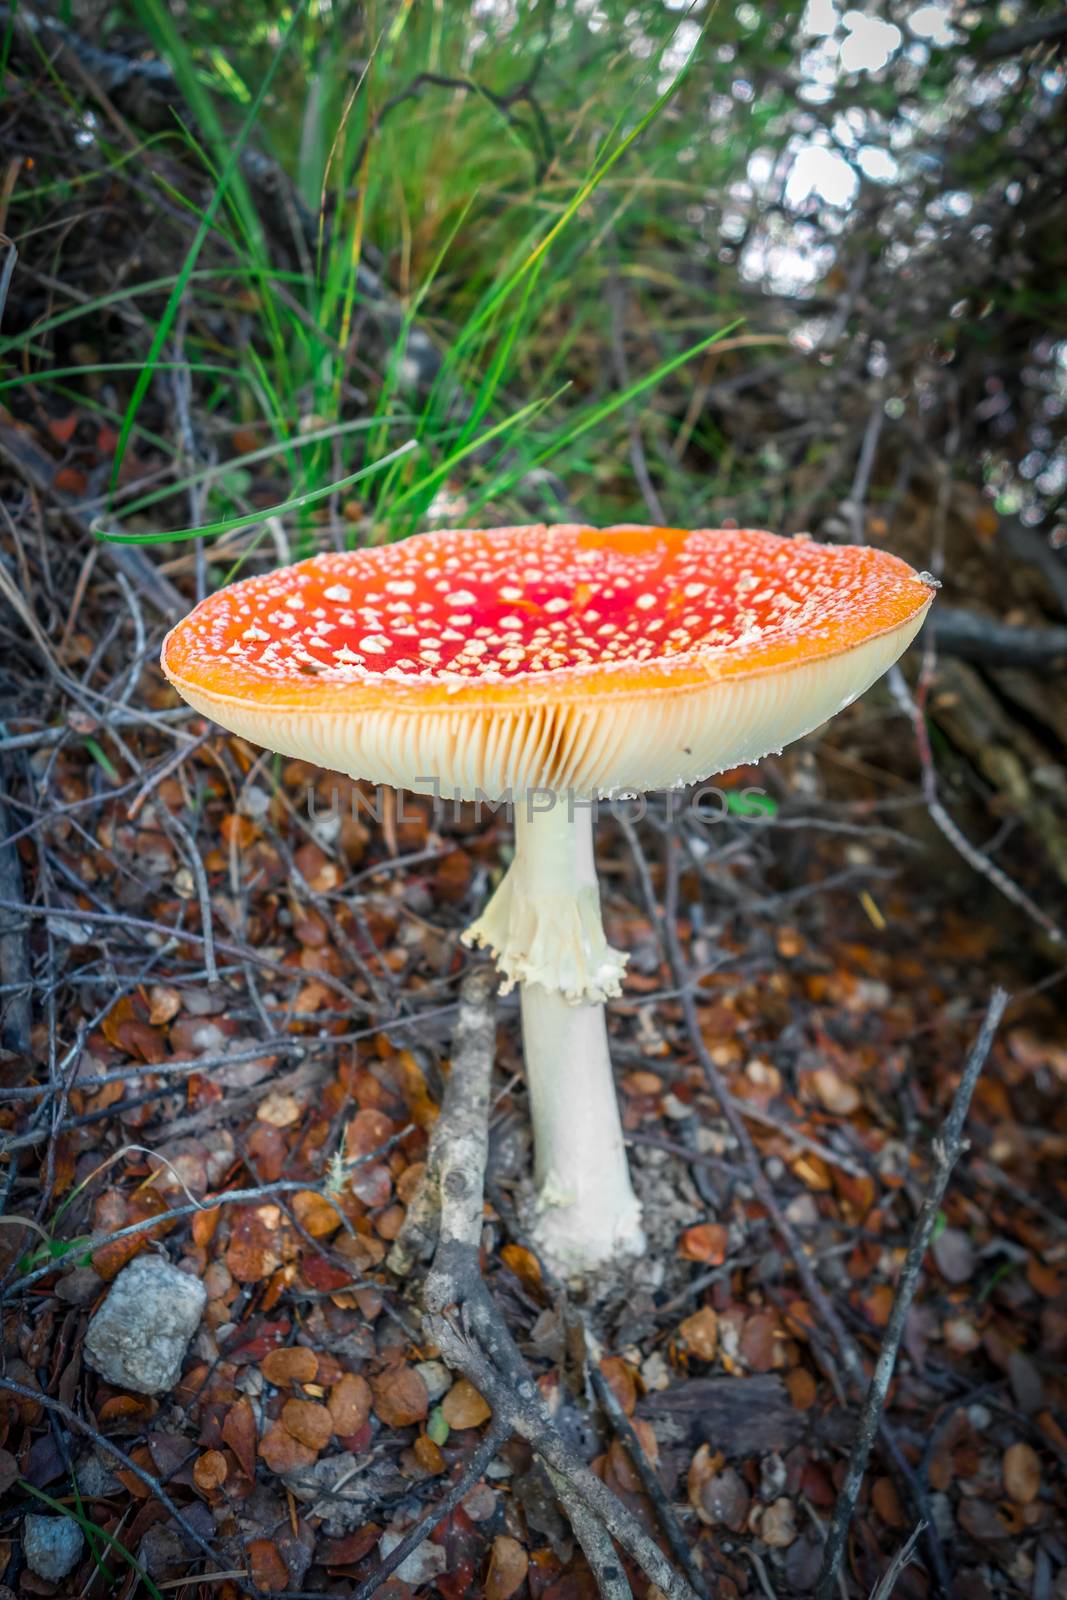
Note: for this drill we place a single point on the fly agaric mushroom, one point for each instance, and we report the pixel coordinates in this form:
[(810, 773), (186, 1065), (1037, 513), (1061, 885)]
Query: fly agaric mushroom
[(551, 666)]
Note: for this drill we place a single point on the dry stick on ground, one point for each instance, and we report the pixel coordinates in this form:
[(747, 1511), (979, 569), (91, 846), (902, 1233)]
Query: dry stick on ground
[(470, 1471), (464, 1323), (947, 1149), (596, 1544), (820, 1300), (795, 1135), (109, 1447), (643, 1466), (883, 1589), (915, 710), (210, 1202)]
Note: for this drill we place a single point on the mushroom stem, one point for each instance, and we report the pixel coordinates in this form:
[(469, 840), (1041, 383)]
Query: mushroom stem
[(543, 924), (545, 928), (588, 1214)]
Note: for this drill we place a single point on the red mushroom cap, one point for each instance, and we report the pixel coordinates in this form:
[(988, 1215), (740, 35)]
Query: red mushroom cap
[(597, 659)]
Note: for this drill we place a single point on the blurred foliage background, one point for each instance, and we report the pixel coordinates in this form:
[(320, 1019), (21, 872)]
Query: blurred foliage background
[(791, 263)]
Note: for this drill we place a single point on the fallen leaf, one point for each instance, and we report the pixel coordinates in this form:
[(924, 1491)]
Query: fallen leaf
[(778, 1524), (268, 1570), (68, 480), (878, 1304), (954, 1254), (400, 1397), (1021, 1468), (279, 1110), (801, 1387), (813, 1173), (522, 1262), (699, 1334), (283, 1451), (961, 1335), (982, 1520), (836, 1093), (209, 1470), (760, 1346), (205, 1225), (508, 1566), (428, 1455), (463, 1406), (350, 1549), (705, 1242), (292, 1364), (309, 1422), (163, 1004), (350, 1403), (239, 1432), (724, 1500), (1042, 1278), (63, 429), (317, 1215), (367, 1132), (886, 1502)]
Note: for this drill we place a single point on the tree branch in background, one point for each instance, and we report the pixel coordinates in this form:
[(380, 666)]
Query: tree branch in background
[(989, 642), (947, 1149), (915, 710), (1042, 30)]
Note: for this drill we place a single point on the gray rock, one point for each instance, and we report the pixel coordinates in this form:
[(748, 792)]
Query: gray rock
[(425, 1563), (96, 1479), (139, 1337), (437, 1378), (51, 1545)]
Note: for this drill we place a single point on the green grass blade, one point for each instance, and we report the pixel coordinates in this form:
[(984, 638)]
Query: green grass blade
[(166, 322), (232, 524), (92, 1532)]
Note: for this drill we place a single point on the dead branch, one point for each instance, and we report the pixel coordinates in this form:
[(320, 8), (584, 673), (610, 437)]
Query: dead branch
[(915, 710), (883, 1590), (947, 1148), (470, 1471), (15, 975), (596, 1544), (990, 642), (468, 1330), (644, 1468)]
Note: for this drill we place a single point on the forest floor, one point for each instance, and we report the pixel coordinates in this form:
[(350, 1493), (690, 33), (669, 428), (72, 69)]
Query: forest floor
[(244, 988), (230, 989)]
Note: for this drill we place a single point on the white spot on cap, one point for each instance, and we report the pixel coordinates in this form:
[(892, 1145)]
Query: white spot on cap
[(372, 644), (338, 592)]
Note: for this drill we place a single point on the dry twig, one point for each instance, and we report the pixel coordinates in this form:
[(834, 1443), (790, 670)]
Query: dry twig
[(805, 1270), (947, 1148), (470, 1333)]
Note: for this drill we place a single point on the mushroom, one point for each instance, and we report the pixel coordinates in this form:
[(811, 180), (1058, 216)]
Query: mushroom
[(549, 667)]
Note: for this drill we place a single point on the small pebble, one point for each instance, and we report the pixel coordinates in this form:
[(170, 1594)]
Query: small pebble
[(437, 1378), (51, 1545), (423, 1565)]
